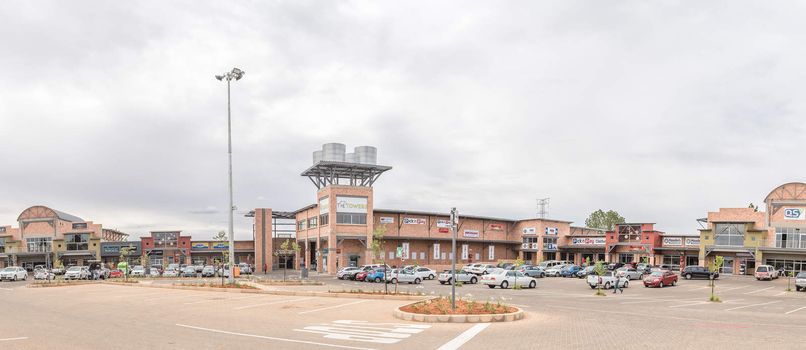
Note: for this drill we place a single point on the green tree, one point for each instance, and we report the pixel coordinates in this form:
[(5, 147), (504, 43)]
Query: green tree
[(604, 220), (789, 275), (599, 269), (221, 236), (124, 255), (287, 248), (718, 261), (377, 250)]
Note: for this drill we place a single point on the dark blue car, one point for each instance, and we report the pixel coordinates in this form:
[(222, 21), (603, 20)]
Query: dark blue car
[(569, 271)]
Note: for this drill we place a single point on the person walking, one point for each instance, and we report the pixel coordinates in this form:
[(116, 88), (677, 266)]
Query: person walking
[(616, 287)]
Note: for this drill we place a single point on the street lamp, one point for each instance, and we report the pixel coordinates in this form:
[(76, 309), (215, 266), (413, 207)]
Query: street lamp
[(236, 74)]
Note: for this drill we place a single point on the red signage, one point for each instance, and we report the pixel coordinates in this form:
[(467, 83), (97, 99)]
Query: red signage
[(496, 227), (444, 230)]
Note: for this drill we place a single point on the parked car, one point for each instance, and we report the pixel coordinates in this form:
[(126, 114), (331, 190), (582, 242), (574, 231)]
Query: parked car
[(800, 281), (582, 273), (208, 271), (173, 266), (245, 268), (507, 278), (445, 277), (607, 281), (43, 274), (77, 273), (468, 267), (765, 272), (13, 273), (506, 266), (629, 273), (361, 276), (481, 269), (188, 271), (643, 268), (376, 275), (425, 273), (138, 271), (614, 266), (403, 275), (115, 273), (554, 271), (103, 273), (533, 271), (660, 279), (346, 272), (58, 271), (169, 272), (690, 272), (154, 272), (569, 271)]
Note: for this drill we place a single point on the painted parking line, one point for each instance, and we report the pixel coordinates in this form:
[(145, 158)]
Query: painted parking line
[(796, 310), (140, 295), (333, 307), (779, 294), (363, 331), (690, 304), (463, 338), (658, 301), (730, 289), (270, 303), (760, 290), (12, 339), (6, 289), (222, 299), (271, 338), (751, 305)]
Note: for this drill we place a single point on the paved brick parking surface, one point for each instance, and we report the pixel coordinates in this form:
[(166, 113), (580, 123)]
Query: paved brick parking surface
[(561, 314)]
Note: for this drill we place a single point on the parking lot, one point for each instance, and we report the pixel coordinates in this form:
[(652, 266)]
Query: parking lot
[(561, 314)]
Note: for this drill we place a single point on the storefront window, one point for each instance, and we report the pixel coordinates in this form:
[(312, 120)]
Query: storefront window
[(549, 243), (787, 265), (626, 258), (77, 241), (2, 244), (729, 234), (790, 237), (692, 261), (312, 222), (40, 244), (672, 260)]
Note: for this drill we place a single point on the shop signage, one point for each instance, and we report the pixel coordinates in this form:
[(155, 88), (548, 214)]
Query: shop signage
[(198, 245), (413, 221), (399, 252), (436, 251), (80, 226), (324, 205), (794, 213), (464, 251), (351, 204), (552, 231), (496, 227), (404, 253), (549, 246), (443, 230), (672, 241), (470, 234), (529, 231), (387, 220), (221, 245), (443, 223), (693, 241), (491, 253), (588, 241)]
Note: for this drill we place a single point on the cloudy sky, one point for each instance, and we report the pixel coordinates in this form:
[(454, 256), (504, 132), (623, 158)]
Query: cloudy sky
[(661, 111)]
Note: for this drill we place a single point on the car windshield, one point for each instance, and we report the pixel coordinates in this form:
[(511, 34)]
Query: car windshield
[(801, 275), (657, 274), (74, 268), (762, 269)]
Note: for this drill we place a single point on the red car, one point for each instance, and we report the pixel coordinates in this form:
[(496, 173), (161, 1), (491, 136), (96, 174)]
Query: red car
[(660, 279), (115, 273), (361, 276)]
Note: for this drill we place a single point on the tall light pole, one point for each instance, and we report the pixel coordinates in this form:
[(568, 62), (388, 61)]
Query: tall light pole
[(236, 74), (454, 228)]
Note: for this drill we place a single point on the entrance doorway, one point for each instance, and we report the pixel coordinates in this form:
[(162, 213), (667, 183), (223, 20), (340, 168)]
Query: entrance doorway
[(528, 256), (727, 266), (353, 261)]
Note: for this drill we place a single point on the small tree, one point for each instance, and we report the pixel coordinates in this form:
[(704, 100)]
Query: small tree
[(124, 254), (221, 236), (599, 269), (789, 276), (718, 261), (377, 250)]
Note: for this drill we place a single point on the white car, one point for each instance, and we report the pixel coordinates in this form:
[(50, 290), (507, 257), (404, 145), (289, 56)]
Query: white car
[(467, 267), (245, 268), (13, 273), (208, 271), (554, 271), (481, 269), (425, 273), (169, 272), (138, 270), (800, 281), (629, 273), (346, 272), (77, 273), (402, 275), (445, 277), (607, 281), (154, 272), (43, 274), (507, 278)]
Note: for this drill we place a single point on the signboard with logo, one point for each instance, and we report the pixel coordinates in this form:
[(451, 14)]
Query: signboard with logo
[(80, 226), (588, 241), (324, 205), (351, 204), (464, 251), (443, 223), (794, 214), (436, 251), (692, 241), (471, 233), (553, 231), (413, 221), (199, 245), (404, 253), (221, 245), (529, 231), (387, 220), (672, 241), (496, 227), (491, 253), (443, 230), (549, 246)]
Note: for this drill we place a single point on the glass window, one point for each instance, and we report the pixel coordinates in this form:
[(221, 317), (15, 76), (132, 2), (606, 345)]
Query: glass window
[(323, 219), (312, 222), (40, 244), (351, 218), (300, 225), (672, 260), (2, 244), (729, 234), (625, 258), (77, 241), (549, 243)]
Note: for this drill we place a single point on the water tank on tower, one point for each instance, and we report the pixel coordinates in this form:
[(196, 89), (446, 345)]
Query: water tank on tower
[(317, 157), (350, 158), (333, 152), (366, 155)]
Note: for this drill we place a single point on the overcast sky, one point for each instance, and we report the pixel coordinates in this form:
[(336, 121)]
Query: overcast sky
[(110, 111)]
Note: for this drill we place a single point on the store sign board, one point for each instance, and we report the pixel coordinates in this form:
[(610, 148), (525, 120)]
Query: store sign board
[(552, 231), (443, 230), (387, 220), (413, 221), (464, 251), (443, 223), (470, 234), (351, 205), (496, 227), (198, 245), (794, 214), (324, 205), (221, 245), (404, 251), (588, 241), (529, 231), (693, 241), (436, 251), (672, 241)]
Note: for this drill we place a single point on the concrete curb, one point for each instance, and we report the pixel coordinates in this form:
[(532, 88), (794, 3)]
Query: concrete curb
[(59, 284), (510, 317)]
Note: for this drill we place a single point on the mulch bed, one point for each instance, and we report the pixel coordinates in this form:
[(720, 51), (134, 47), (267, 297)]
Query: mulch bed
[(442, 306)]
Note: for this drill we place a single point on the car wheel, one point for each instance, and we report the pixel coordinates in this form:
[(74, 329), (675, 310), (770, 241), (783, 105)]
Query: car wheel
[(15, 278), (607, 285), (542, 275), (532, 284), (441, 282), (394, 281), (417, 280), (491, 286), (660, 285), (592, 287), (431, 277), (688, 276), (377, 280), (504, 284), (626, 284), (674, 283), (473, 280)]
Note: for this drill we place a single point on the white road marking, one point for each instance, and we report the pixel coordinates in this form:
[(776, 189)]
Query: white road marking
[(691, 304), (798, 309), (333, 307), (760, 290), (383, 333), (17, 338), (224, 299), (6, 288), (140, 295), (780, 294), (463, 338), (729, 289), (270, 303), (751, 305), (272, 338)]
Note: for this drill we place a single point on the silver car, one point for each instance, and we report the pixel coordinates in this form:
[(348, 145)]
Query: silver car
[(629, 273), (461, 276)]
